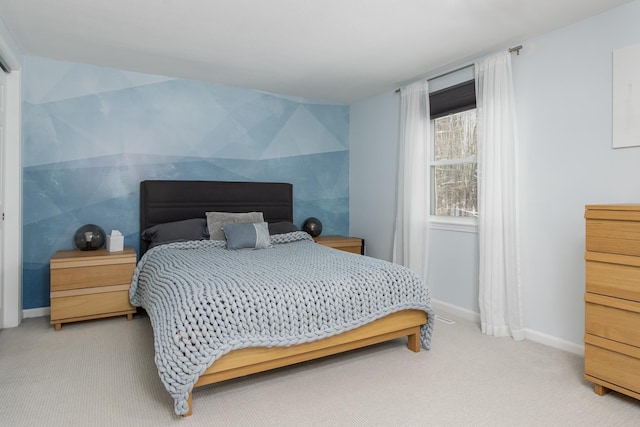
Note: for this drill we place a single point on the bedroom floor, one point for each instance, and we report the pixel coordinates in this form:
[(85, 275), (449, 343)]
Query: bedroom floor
[(102, 373)]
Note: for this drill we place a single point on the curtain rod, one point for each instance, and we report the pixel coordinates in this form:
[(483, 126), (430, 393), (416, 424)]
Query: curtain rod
[(515, 49)]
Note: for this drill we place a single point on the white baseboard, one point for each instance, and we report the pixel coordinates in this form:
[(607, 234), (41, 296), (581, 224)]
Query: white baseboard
[(555, 342), (36, 312), (529, 334), (454, 309)]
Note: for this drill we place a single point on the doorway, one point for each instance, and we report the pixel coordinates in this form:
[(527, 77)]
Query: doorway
[(3, 126)]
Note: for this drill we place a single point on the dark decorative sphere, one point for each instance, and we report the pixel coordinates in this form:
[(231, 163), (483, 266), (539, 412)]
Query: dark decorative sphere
[(89, 237), (313, 226)]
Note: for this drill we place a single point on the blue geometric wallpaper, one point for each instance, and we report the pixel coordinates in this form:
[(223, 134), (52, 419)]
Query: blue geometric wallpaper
[(91, 134)]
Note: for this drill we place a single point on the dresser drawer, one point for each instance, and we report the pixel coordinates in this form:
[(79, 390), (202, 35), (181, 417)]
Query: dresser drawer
[(88, 277), (613, 275), (616, 237), (613, 229), (617, 367), (619, 320), (90, 305)]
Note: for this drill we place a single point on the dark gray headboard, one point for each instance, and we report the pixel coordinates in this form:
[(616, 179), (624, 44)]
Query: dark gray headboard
[(167, 201)]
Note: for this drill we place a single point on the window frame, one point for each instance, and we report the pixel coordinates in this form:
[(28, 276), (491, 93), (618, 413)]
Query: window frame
[(467, 224)]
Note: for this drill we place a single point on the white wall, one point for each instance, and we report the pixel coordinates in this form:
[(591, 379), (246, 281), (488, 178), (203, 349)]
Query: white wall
[(563, 89), (373, 165)]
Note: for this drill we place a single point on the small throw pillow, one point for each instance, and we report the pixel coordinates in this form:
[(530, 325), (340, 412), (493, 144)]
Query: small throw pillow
[(243, 236), (215, 221)]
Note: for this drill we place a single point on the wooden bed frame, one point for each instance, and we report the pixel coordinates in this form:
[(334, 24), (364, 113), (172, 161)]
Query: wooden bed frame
[(166, 201)]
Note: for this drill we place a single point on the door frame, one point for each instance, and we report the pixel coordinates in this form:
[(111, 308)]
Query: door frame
[(11, 280)]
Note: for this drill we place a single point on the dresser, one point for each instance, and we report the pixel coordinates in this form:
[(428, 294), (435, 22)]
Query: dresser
[(90, 285), (343, 243), (612, 298)]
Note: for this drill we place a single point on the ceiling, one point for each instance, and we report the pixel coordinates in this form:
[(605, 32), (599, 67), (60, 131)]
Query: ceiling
[(333, 50)]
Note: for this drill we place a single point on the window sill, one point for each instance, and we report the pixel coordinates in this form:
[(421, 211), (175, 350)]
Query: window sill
[(462, 224)]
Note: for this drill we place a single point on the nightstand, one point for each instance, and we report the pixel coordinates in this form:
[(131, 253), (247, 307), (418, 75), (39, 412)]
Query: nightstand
[(91, 285), (343, 243)]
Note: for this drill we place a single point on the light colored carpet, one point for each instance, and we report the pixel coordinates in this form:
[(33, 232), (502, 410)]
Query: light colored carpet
[(102, 373)]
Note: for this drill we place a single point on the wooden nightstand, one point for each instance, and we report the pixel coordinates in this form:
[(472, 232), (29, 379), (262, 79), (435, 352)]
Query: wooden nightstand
[(91, 285), (344, 243)]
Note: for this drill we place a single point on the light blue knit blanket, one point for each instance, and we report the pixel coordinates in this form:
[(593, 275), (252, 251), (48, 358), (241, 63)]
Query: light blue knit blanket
[(205, 301)]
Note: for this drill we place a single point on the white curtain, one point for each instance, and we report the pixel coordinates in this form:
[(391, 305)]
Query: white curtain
[(412, 211), (500, 288)]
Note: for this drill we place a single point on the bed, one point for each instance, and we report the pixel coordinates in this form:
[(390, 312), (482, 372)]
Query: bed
[(190, 349)]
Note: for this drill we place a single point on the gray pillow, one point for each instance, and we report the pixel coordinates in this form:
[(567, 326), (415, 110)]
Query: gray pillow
[(177, 231), (215, 221), (244, 236)]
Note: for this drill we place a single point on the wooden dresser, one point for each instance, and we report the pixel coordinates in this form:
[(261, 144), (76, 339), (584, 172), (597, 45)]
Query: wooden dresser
[(612, 298), (343, 243), (91, 285)]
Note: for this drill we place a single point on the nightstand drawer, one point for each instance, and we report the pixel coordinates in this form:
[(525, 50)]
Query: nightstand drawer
[(89, 277), (343, 243), (90, 305), (353, 249)]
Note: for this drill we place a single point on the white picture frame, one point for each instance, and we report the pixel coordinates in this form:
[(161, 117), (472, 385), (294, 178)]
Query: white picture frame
[(626, 97)]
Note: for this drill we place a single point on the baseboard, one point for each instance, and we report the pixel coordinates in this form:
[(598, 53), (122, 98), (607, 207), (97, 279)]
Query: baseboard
[(529, 334), (36, 312), (454, 309), (555, 342)]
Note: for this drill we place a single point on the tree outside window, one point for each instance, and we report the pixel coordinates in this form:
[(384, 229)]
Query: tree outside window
[(454, 172)]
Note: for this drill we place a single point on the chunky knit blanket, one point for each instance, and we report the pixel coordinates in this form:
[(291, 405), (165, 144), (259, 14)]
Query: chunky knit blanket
[(205, 301)]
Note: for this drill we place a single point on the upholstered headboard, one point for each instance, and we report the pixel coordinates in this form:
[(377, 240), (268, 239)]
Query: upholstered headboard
[(167, 201)]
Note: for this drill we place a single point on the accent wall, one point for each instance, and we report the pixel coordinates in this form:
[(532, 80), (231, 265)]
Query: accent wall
[(91, 134)]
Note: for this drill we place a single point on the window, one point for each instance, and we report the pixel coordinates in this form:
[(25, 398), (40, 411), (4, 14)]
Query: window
[(454, 176), (453, 164)]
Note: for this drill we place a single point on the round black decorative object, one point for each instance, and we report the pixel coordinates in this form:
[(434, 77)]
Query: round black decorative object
[(89, 237), (313, 226)]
